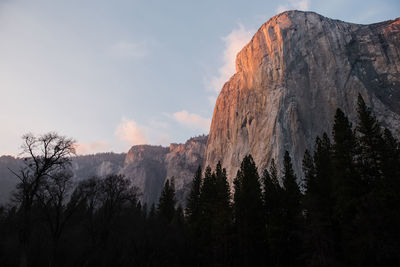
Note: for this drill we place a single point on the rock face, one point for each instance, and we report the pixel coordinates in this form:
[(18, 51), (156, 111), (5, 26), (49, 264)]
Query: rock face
[(149, 166), (145, 167), (99, 165), (297, 69)]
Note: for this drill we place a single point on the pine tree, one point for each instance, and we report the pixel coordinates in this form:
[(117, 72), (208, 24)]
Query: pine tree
[(222, 225), (391, 162), (348, 187), (193, 216), (319, 203), (179, 218), (347, 180), (370, 143), (309, 171), (216, 216), (193, 202), (272, 199), (249, 218), (291, 188), (152, 212), (373, 217), (166, 205), (207, 194), (292, 214), (390, 192)]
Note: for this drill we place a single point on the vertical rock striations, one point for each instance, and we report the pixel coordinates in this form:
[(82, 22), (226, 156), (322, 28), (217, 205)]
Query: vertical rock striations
[(297, 69)]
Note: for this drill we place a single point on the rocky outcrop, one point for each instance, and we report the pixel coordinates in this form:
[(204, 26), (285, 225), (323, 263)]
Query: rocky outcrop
[(145, 168), (182, 162), (297, 69), (98, 165), (149, 166)]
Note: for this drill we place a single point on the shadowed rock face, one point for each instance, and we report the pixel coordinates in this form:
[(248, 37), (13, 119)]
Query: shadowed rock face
[(297, 69), (149, 166)]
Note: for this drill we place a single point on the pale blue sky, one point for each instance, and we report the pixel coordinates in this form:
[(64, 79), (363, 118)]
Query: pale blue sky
[(116, 73)]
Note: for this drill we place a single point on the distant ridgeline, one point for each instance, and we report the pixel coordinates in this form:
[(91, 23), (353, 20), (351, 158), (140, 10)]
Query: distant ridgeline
[(83, 167), (146, 166)]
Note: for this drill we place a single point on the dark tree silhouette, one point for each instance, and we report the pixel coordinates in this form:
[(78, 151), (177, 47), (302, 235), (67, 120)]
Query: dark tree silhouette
[(319, 204), (57, 204), (347, 182), (273, 206), (248, 212), (167, 202), (193, 202), (45, 156), (292, 215)]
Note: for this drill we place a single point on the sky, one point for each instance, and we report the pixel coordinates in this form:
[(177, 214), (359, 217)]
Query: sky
[(112, 74)]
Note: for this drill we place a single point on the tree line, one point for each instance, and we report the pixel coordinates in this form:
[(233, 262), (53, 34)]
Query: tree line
[(343, 211)]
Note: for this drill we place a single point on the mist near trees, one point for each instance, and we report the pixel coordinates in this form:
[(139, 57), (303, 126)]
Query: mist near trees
[(343, 211)]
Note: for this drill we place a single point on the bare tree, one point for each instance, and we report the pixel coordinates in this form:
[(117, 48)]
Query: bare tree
[(116, 193), (57, 204), (105, 200), (44, 157), (88, 193)]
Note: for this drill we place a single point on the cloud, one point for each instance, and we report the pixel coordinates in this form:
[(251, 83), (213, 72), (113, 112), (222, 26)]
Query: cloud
[(154, 132), (293, 4), (132, 50), (192, 120), (234, 42), (129, 131), (91, 148)]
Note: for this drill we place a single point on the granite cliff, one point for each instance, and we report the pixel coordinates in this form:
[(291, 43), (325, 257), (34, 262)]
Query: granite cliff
[(149, 166), (290, 78)]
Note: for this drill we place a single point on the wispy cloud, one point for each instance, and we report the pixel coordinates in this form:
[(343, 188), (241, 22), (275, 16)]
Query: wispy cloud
[(154, 132), (192, 120), (234, 42), (129, 131), (129, 49), (91, 148), (294, 4)]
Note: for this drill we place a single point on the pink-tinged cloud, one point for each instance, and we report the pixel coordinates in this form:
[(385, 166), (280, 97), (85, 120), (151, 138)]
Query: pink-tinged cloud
[(234, 42), (91, 148), (129, 131), (192, 120)]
